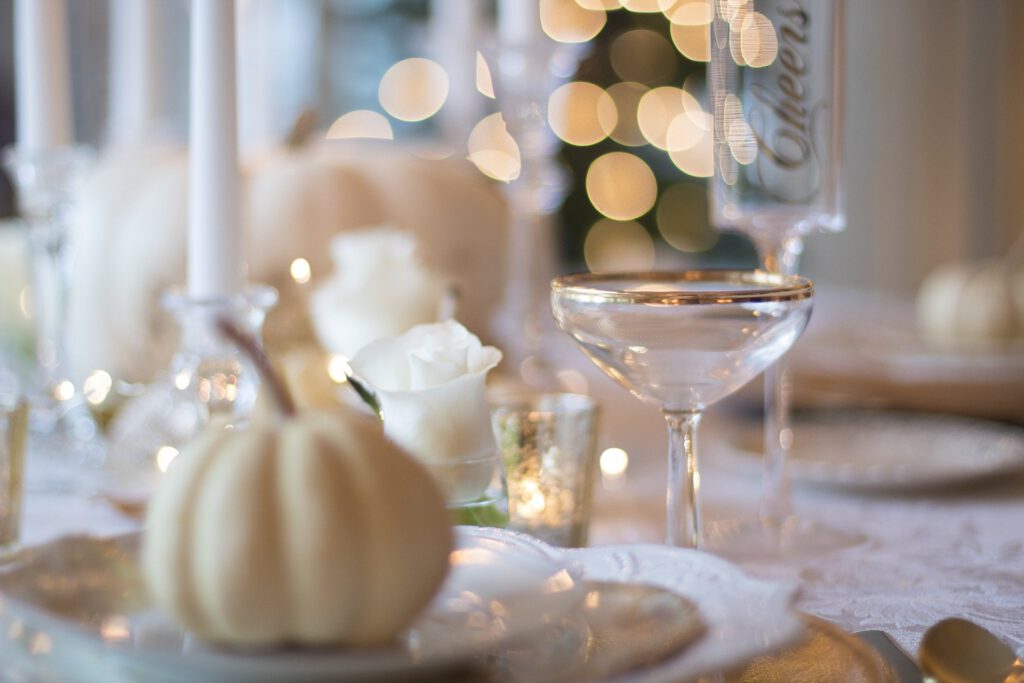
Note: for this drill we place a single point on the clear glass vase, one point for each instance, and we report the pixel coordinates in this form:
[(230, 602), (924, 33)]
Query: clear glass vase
[(64, 443), (208, 379)]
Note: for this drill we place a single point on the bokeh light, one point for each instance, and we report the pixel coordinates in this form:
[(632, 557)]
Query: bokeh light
[(338, 368), (626, 96), (618, 246), (566, 21), (697, 161), (687, 130), (628, 92), (600, 4), (733, 11), (613, 462), (742, 142), (758, 43), (692, 41), (493, 150), (484, 82), (300, 271), (658, 108), (97, 386), (682, 217), (165, 455), (413, 89), (644, 6), (689, 12), (361, 123), (64, 390), (581, 113), (643, 55), (621, 186), (573, 381)]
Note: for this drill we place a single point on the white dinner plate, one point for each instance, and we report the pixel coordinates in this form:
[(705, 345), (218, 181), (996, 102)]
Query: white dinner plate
[(863, 349), (75, 611), (870, 450)]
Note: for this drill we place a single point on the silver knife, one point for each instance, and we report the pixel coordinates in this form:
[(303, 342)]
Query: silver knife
[(898, 660)]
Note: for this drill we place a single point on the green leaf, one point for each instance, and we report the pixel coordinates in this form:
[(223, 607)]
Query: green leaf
[(480, 514), (365, 393)]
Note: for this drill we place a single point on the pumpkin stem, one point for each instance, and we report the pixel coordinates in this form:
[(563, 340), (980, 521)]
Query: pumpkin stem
[(248, 345), (302, 130), (1015, 254)]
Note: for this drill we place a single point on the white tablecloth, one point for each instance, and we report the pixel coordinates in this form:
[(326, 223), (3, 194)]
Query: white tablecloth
[(926, 557)]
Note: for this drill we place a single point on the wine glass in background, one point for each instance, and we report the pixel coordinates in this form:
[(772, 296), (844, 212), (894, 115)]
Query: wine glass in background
[(776, 89), (528, 67), (682, 341)]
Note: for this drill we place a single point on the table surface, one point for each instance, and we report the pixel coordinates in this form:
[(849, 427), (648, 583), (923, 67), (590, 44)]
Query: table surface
[(925, 556)]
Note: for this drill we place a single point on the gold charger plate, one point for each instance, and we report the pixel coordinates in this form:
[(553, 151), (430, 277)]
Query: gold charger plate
[(828, 654)]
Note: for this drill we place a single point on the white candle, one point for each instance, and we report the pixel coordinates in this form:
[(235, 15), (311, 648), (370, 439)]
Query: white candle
[(279, 55), (216, 266), (518, 21), (136, 73), (455, 28), (41, 73)]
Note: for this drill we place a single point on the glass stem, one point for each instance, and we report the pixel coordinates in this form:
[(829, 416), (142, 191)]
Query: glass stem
[(777, 256), (49, 302), (683, 527), (780, 255)]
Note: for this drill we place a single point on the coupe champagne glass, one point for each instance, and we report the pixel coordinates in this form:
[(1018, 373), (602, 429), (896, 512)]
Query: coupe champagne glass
[(776, 90), (681, 341)]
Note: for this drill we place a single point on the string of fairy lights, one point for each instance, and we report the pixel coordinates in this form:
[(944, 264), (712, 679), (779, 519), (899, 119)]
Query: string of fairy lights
[(638, 133)]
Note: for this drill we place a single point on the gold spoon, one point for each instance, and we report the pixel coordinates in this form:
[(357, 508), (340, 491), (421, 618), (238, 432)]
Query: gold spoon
[(959, 651)]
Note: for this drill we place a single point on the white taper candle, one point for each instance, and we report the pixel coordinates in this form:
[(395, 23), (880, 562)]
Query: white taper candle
[(41, 74), (136, 73), (216, 264), (518, 21), (455, 31)]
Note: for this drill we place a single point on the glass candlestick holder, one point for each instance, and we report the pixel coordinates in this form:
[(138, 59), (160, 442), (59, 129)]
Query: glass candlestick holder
[(208, 378), (527, 73), (63, 435)]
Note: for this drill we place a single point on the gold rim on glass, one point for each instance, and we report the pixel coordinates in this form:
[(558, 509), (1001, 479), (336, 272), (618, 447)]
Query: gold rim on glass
[(759, 287)]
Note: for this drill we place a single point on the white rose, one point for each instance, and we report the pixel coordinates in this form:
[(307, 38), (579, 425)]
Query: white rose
[(379, 288), (430, 385)]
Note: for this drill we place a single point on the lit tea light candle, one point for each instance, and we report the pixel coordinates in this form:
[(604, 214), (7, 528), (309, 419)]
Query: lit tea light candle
[(547, 444), (41, 74), (542, 498), (216, 266)]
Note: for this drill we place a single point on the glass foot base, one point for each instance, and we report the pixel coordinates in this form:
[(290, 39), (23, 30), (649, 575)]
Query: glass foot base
[(47, 473), (63, 460), (786, 537)]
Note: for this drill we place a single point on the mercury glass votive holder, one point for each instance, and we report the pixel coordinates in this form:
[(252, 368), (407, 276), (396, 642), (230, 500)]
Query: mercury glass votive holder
[(13, 434), (548, 442)]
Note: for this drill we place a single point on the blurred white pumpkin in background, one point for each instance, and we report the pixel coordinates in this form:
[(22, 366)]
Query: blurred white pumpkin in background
[(129, 240), (973, 304)]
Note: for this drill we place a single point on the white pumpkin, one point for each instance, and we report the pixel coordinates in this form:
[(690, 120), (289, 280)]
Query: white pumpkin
[(980, 303), (313, 529), (129, 239)]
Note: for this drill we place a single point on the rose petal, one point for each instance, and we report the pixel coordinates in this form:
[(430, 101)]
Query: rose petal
[(446, 423), (431, 385)]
